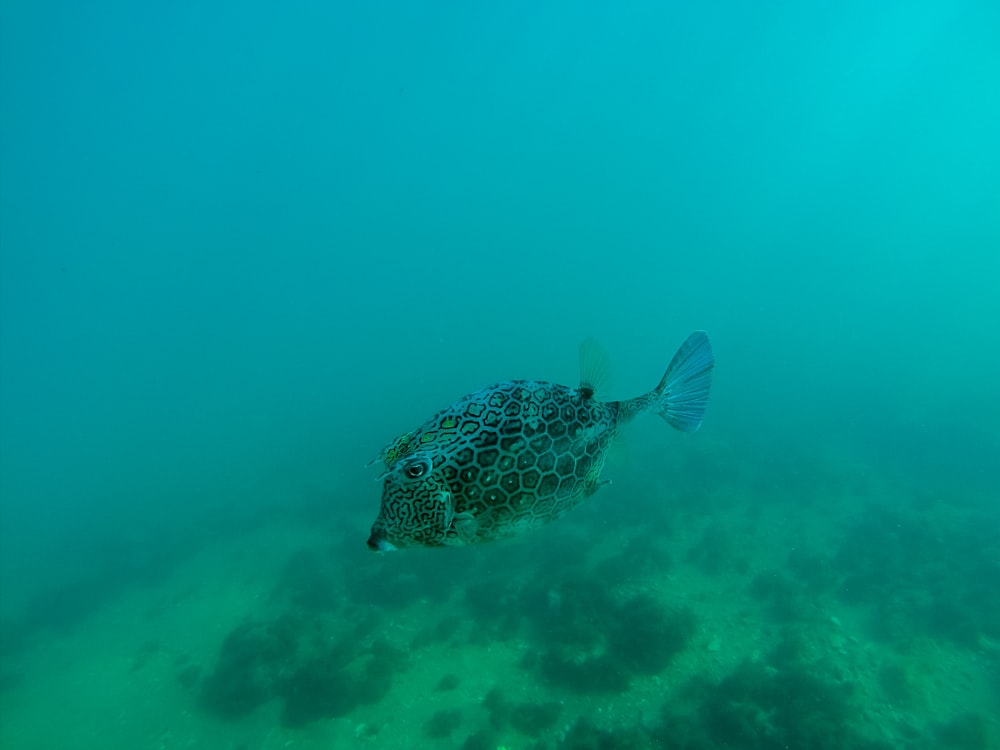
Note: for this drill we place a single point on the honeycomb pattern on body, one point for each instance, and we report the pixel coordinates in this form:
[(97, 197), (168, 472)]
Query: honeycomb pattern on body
[(513, 456)]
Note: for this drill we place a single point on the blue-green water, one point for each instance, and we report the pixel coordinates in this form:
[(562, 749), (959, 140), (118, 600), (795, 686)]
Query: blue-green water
[(243, 246)]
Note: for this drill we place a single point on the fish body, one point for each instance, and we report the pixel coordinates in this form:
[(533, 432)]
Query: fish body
[(518, 455)]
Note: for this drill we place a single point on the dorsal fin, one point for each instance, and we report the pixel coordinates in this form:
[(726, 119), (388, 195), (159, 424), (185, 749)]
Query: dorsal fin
[(595, 370)]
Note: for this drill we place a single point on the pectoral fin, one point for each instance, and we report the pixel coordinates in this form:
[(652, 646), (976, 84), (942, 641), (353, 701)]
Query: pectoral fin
[(466, 526)]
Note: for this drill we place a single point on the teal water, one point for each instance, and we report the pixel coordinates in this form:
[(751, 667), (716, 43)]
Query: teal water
[(244, 246)]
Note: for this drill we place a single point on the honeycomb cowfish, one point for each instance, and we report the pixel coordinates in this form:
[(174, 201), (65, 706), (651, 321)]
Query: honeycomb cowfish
[(520, 454)]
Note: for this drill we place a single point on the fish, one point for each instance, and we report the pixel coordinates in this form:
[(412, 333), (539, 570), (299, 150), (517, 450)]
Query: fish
[(522, 453)]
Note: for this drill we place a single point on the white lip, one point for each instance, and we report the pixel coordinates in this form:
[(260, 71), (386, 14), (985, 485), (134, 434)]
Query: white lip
[(385, 546)]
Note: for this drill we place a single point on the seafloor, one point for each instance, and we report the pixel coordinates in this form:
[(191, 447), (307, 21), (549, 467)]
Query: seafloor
[(702, 601)]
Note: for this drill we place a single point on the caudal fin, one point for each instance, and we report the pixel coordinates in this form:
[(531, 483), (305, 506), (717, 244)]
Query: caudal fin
[(683, 392)]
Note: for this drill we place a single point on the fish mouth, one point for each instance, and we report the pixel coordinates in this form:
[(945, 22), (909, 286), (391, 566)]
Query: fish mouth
[(378, 542)]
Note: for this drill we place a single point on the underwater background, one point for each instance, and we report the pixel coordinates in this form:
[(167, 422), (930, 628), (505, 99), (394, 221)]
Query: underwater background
[(245, 245)]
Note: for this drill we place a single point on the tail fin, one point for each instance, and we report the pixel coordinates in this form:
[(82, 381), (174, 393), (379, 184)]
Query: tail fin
[(683, 392)]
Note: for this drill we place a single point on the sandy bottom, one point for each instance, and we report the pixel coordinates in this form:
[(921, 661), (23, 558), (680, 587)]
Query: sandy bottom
[(129, 676)]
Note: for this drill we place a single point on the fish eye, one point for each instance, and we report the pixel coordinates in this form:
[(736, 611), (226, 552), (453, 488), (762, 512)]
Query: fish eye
[(416, 470)]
